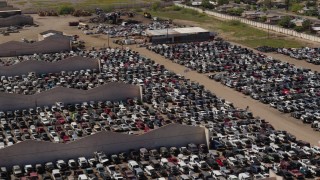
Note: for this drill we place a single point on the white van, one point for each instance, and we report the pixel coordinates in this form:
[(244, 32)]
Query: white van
[(132, 165), (83, 177)]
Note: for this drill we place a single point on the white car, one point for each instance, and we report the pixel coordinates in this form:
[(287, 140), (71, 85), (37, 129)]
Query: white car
[(315, 149), (56, 139), (149, 170), (117, 176)]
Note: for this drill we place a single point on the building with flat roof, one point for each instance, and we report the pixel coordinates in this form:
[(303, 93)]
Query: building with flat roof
[(48, 33), (177, 35), (7, 11)]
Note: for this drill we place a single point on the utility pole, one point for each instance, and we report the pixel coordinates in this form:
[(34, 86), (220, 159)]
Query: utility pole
[(167, 35), (108, 37), (268, 30)]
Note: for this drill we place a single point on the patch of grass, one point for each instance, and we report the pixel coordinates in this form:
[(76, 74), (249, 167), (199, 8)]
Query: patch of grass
[(240, 29), (22, 3), (231, 30), (180, 13), (272, 42), (80, 4)]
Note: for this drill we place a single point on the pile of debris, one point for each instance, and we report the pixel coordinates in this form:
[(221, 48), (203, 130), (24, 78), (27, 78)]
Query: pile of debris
[(112, 18), (78, 13), (48, 13)]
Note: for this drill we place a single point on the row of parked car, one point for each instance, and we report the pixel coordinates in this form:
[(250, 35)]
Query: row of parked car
[(288, 88), (9, 61), (310, 55), (188, 162), (244, 147), (62, 123)]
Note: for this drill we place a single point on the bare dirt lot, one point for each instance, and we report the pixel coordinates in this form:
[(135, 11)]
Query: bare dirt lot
[(277, 119)]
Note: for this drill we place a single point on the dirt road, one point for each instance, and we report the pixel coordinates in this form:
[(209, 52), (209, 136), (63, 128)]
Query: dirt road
[(278, 120)]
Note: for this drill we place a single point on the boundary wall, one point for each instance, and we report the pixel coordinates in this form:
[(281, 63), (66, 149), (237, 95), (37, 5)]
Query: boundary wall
[(288, 32), (113, 91), (68, 64), (49, 45), (32, 152), (16, 20)]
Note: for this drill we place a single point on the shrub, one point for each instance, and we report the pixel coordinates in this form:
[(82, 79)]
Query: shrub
[(65, 10), (176, 8), (298, 28), (234, 22), (206, 4), (138, 10), (155, 6)]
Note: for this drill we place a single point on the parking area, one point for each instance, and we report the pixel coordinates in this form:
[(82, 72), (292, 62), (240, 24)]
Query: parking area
[(240, 139), (310, 55), (242, 145), (284, 86)]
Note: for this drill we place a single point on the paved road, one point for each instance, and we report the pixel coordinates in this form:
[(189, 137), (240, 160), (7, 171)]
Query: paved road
[(278, 120)]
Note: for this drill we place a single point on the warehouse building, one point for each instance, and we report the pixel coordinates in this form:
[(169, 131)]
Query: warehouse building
[(51, 44), (11, 16), (178, 35), (7, 11)]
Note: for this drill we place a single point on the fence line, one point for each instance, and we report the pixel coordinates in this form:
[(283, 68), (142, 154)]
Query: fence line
[(256, 24)]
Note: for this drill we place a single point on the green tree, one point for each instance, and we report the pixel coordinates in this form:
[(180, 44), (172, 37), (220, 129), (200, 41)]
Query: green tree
[(221, 2), (155, 6), (306, 24), (298, 28), (263, 19), (253, 7), (310, 3), (311, 12), (296, 7), (267, 3), (235, 11), (237, 1), (285, 22), (206, 4)]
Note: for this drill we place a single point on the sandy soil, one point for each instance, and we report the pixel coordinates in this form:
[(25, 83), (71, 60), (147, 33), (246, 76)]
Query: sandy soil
[(277, 119)]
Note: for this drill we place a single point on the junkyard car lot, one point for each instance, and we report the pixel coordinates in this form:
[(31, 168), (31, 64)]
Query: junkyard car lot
[(64, 123), (288, 88), (246, 144), (310, 55), (129, 28), (236, 156)]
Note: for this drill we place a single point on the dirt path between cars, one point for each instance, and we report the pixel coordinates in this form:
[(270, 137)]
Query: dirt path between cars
[(278, 120)]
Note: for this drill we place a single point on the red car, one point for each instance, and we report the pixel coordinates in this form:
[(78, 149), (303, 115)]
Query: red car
[(173, 160), (66, 139), (296, 173), (61, 121), (40, 130), (219, 161), (140, 125)]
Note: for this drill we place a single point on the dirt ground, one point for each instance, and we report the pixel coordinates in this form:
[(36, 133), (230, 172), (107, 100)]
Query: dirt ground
[(277, 119)]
